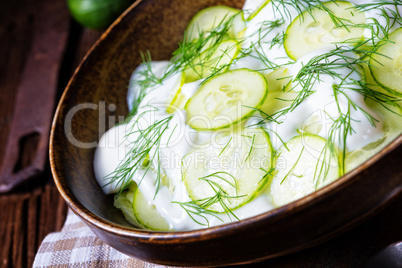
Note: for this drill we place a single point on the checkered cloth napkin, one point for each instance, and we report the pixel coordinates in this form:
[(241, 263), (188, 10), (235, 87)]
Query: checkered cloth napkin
[(76, 246)]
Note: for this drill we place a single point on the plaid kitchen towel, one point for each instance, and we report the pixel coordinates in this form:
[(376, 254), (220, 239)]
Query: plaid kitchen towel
[(76, 246)]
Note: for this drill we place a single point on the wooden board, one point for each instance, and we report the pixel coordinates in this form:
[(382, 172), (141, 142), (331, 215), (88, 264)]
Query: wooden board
[(25, 150)]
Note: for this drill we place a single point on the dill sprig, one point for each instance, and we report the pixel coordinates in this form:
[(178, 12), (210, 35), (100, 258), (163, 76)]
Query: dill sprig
[(201, 207), (385, 100), (197, 213), (146, 82), (254, 50), (293, 167), (268, 174), (144, 150), (285, 8), (379, 4), (328, 153), (251, 148), (227, 144), (329, 63), (210, 66), (183, 59), (207, 43), (346, 58), (379, 30)]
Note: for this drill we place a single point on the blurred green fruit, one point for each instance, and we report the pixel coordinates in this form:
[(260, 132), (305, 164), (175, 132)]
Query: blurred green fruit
[(97, 14)]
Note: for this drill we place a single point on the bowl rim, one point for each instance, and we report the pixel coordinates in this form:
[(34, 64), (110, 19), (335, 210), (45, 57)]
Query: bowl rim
[(190, 235)]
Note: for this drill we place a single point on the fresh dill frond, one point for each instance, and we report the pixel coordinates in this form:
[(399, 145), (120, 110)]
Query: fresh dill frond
[(251, 148), (323, 165), (197, 213), (144, 144), (293, 167), (385, 100), (379, 30), (267, 117), (254, 49), (146, 81), (378, 4), (227, 144), (268, 174), (183, 59), (345, 58), (279, 39), (286, 8), (326, 64), (221, 197), (206, 44)]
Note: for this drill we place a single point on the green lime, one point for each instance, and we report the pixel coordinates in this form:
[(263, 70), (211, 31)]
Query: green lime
[(97, 14)]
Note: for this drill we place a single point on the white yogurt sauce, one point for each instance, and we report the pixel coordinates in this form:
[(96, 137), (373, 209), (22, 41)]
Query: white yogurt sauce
[(179, 139), (158, 69), (260, 33)]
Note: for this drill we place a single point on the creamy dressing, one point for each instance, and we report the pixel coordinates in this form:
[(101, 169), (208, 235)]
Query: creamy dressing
[(313, 115), (158, 69)]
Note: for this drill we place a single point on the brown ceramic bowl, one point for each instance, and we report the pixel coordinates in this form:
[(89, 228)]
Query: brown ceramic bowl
[(101, 80)]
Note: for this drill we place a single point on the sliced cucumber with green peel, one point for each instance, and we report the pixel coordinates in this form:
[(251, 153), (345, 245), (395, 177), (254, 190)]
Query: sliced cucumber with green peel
[(183, 95), (216, 57), (314, 124), (315, 29), (392, 129), (124, 202), (279, 80), (279, 95), (302, 167), (174, 96), (138, 211), (370, 82), (226, 99), (147, 215), (213, 17), (227, 172), (260, 7), (386, 63)]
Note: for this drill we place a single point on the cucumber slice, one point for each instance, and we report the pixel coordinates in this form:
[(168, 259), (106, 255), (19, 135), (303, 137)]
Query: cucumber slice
[(124, 202), (386, 63), (174, 96), (315, 29), (147, 215), (213, 17), (278, 96), (214, 58), (225, 99), (314, 124), (227, 172), (392, 129), (138, 211), (250, 4), (298, 167), (370, 82), (182, 96)]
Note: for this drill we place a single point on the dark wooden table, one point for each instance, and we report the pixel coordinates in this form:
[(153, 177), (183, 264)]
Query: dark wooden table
[(32, 211)]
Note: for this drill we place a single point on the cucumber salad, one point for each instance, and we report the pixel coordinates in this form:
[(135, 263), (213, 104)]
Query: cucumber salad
[(256, 108)]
